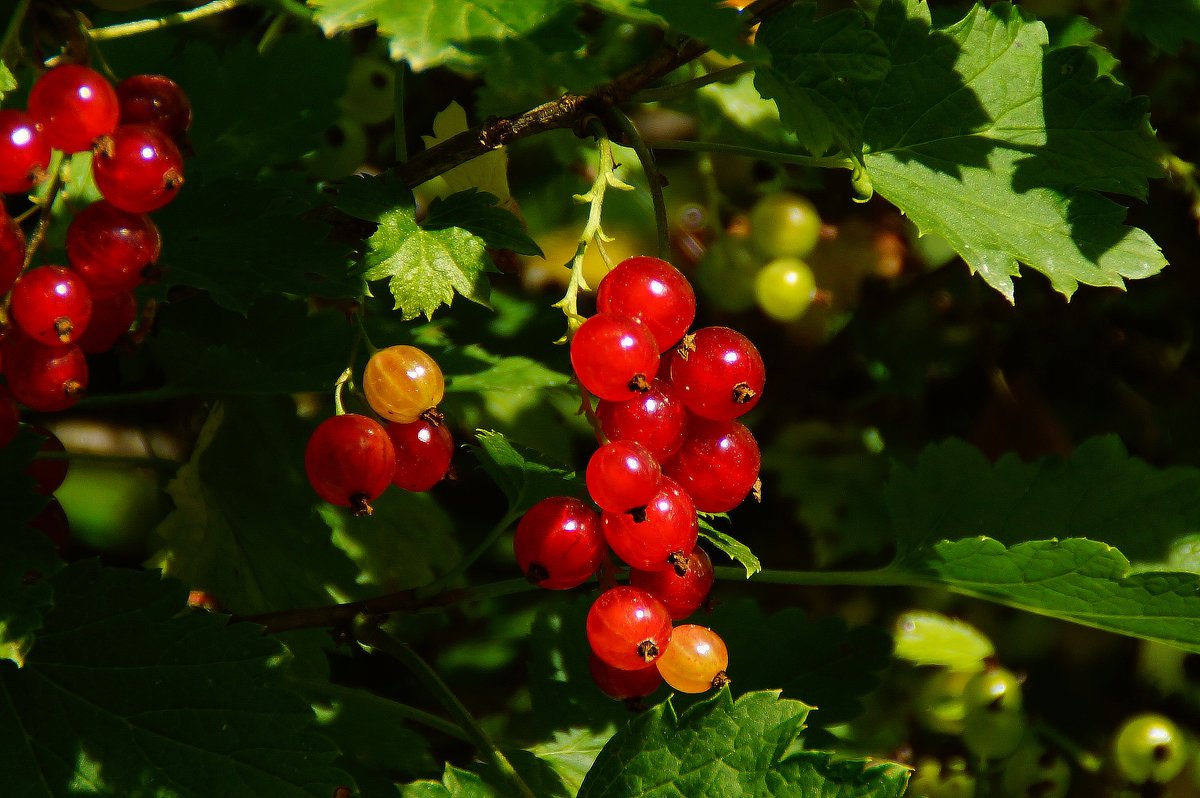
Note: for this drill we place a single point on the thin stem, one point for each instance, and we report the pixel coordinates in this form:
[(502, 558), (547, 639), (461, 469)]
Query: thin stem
[(879, 577), (112, 459), (654, 178), (429, 679), (401, 131), (273, 32), (336, 692), (683, 89), (827, 162), (39, 233), (1083, 758), (339, 409), (13, 27), (178, 18), (482, 548)]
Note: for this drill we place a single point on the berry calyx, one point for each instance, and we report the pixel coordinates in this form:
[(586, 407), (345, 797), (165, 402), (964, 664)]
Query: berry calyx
[(623, 685), (717, 465), (656, 419), (52, 305), (622, 476), (24, 152), (154, 100), (614, 357), (628, 628), (660, 536), (75, 106), (350, 461), (111, 248), (423, 452), (682, 594), (558, 544), (653, 292), (402, 382), (695, 661), (138, 168), (718, 373)]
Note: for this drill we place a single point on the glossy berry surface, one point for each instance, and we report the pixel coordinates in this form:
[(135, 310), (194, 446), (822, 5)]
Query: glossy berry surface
[(652, 291), (784, 289), (717, 465), (719, 374), (112, 316), (350, 461), (623, 684), (656, 419), (138, 168), (52, 305), (558, 544), (993, 722), (423, 452), (695, 661), (111, 248), (48, 474), (614, 357), (154, 100), (402, 382), (1149, 748), (75, 106), (24, 152), (658, 537), (784, 225), (12, 251), (622, 475), (682, 594), (10, 417), (628, 628), (44, 378)]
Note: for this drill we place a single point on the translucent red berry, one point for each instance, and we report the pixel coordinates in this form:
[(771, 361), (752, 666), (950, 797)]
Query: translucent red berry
[(10, 417), (154, 100), (696, 660), (717, 464), (614, 357), (621, 684), (112, 316), (52, 305), (75, 106), (12, 251), (628, 628), (622, 475), (44, 378), (718, 373), (653, 292), (111, 248), (656, 419), (350, 460), (682, 594), (138, 168), (423, 452), (24, 152), (657, 537), (558, 544), (48, 473)]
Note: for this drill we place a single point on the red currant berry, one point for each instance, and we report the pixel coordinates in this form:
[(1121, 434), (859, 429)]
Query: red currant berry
[(52, 522), (12, 251), (655, 419), (719, 374), (155, 100), (75, 106), (717, 465), (614, 357), (657, 537), (680, 594), (111, 248), (44, 378), (52, 305), (628, 628), (402, 383), (423, 452), (112, 316), (652, 291), (48, 473), (696, 660), (24, 152), (10, 417), (621, 476), (350, 460), (620, 684), (558, 543), (138, 168)]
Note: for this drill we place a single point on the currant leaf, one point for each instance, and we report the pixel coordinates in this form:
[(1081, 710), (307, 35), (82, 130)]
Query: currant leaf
[(710, 21), (455, 783), (1166, 23), (471, 369), (734, 549), (477, 212), (521, 474)]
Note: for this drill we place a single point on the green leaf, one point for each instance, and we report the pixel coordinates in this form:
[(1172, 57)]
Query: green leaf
[(455, 783), (710, 21), (735, 550), (930, 638), (571, 754), (436, 32), (477, 212), (244, 529), (521, 474), (7, 81), (126, 694), (473, 370), (720, 747), (1166, 23), (1004, 164)]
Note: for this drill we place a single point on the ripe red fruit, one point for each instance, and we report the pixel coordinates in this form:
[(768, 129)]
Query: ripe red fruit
[(48, 474), (52, 305), (111, 248), (621, 476), (718, 374), (423, 452), (628, 628), (138, 168), (112, 316), (24, 152), (655, 419), (621, 684), (155, 100), (12, 251), (717, 465), (44, 378), (658, 537), (10, 417), (558, 544), (682, 594), (697, 662), (652, 291), (614, 357), (75, 106), (350, 461)]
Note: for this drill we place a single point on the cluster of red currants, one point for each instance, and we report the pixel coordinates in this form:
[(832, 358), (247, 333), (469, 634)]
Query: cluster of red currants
[(667, 404), (351, 458)]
